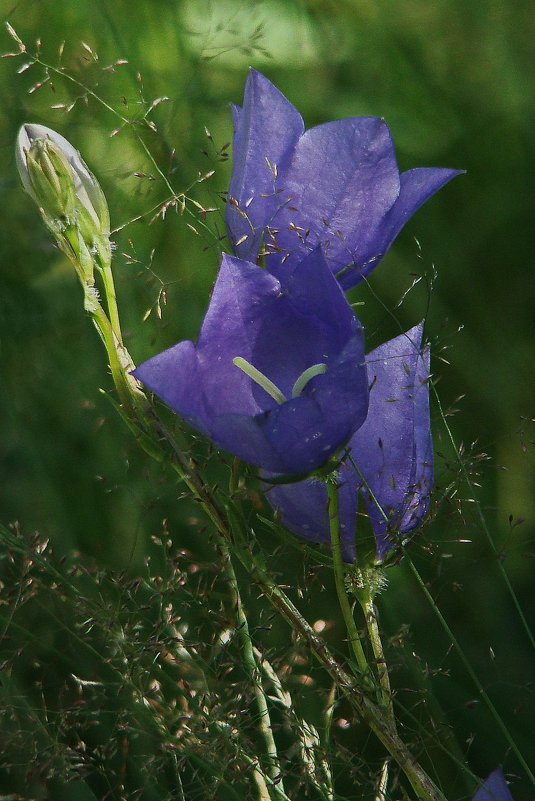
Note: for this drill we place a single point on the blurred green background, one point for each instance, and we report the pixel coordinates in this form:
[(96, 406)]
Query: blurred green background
[(455, 81)]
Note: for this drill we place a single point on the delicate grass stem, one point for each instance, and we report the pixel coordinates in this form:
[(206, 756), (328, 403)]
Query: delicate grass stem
[(485, 527), (339, 579)]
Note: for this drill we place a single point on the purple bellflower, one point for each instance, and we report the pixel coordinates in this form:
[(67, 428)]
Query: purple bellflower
[(389, 461), (494, 788), (278, 375), (336, 185)]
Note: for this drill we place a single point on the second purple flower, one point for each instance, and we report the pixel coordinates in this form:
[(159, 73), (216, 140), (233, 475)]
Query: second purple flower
[(278, 375)]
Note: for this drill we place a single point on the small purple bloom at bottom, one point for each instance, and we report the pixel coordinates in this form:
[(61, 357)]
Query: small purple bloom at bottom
[(494, 788)]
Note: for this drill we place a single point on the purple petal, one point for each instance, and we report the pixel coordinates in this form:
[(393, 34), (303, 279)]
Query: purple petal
[(386, 448), (342, 176), (266, 129), (303, 508), (494, 788), (201, 381), (170, 374), (422, 480), (415, 187)]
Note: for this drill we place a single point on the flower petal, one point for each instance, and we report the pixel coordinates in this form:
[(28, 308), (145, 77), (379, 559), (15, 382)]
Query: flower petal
[(336, 185), (265, 131), (495, 788), (342, 176), (415, 187), (392, 450)]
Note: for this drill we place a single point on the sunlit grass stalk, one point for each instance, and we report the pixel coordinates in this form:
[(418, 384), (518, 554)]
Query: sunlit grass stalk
[(263, 782)]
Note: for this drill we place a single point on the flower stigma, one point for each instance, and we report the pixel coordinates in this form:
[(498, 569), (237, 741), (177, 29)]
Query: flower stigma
[(271, 388), (306, 376)]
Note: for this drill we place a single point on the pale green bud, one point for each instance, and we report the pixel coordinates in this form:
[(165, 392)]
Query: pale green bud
[(69, 196), (50, 180)]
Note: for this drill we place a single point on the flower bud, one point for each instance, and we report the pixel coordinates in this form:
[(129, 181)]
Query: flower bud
[(68, 194)]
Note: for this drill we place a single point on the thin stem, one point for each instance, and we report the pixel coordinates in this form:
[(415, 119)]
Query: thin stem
[(370, 613), (339, 579), (252, 668), (111, 300), (262, 781), (103, 326), (484, 526)]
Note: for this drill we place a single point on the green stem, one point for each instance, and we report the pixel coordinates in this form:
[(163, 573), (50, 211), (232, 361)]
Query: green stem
[(370, 613), (339, 579), (348, 686), (253, 669), (111, 298), (130, 396)]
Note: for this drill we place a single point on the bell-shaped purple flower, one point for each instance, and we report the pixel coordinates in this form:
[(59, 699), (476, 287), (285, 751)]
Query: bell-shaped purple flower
[(389, 462), (336, 185), (494, 788), (303, 339)]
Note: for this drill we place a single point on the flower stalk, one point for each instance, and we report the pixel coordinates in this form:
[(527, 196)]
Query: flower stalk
[(254, 672), (340, 581), (365, 597)]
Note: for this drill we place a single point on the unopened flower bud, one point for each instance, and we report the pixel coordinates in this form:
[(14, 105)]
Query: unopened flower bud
[(68, 194)]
